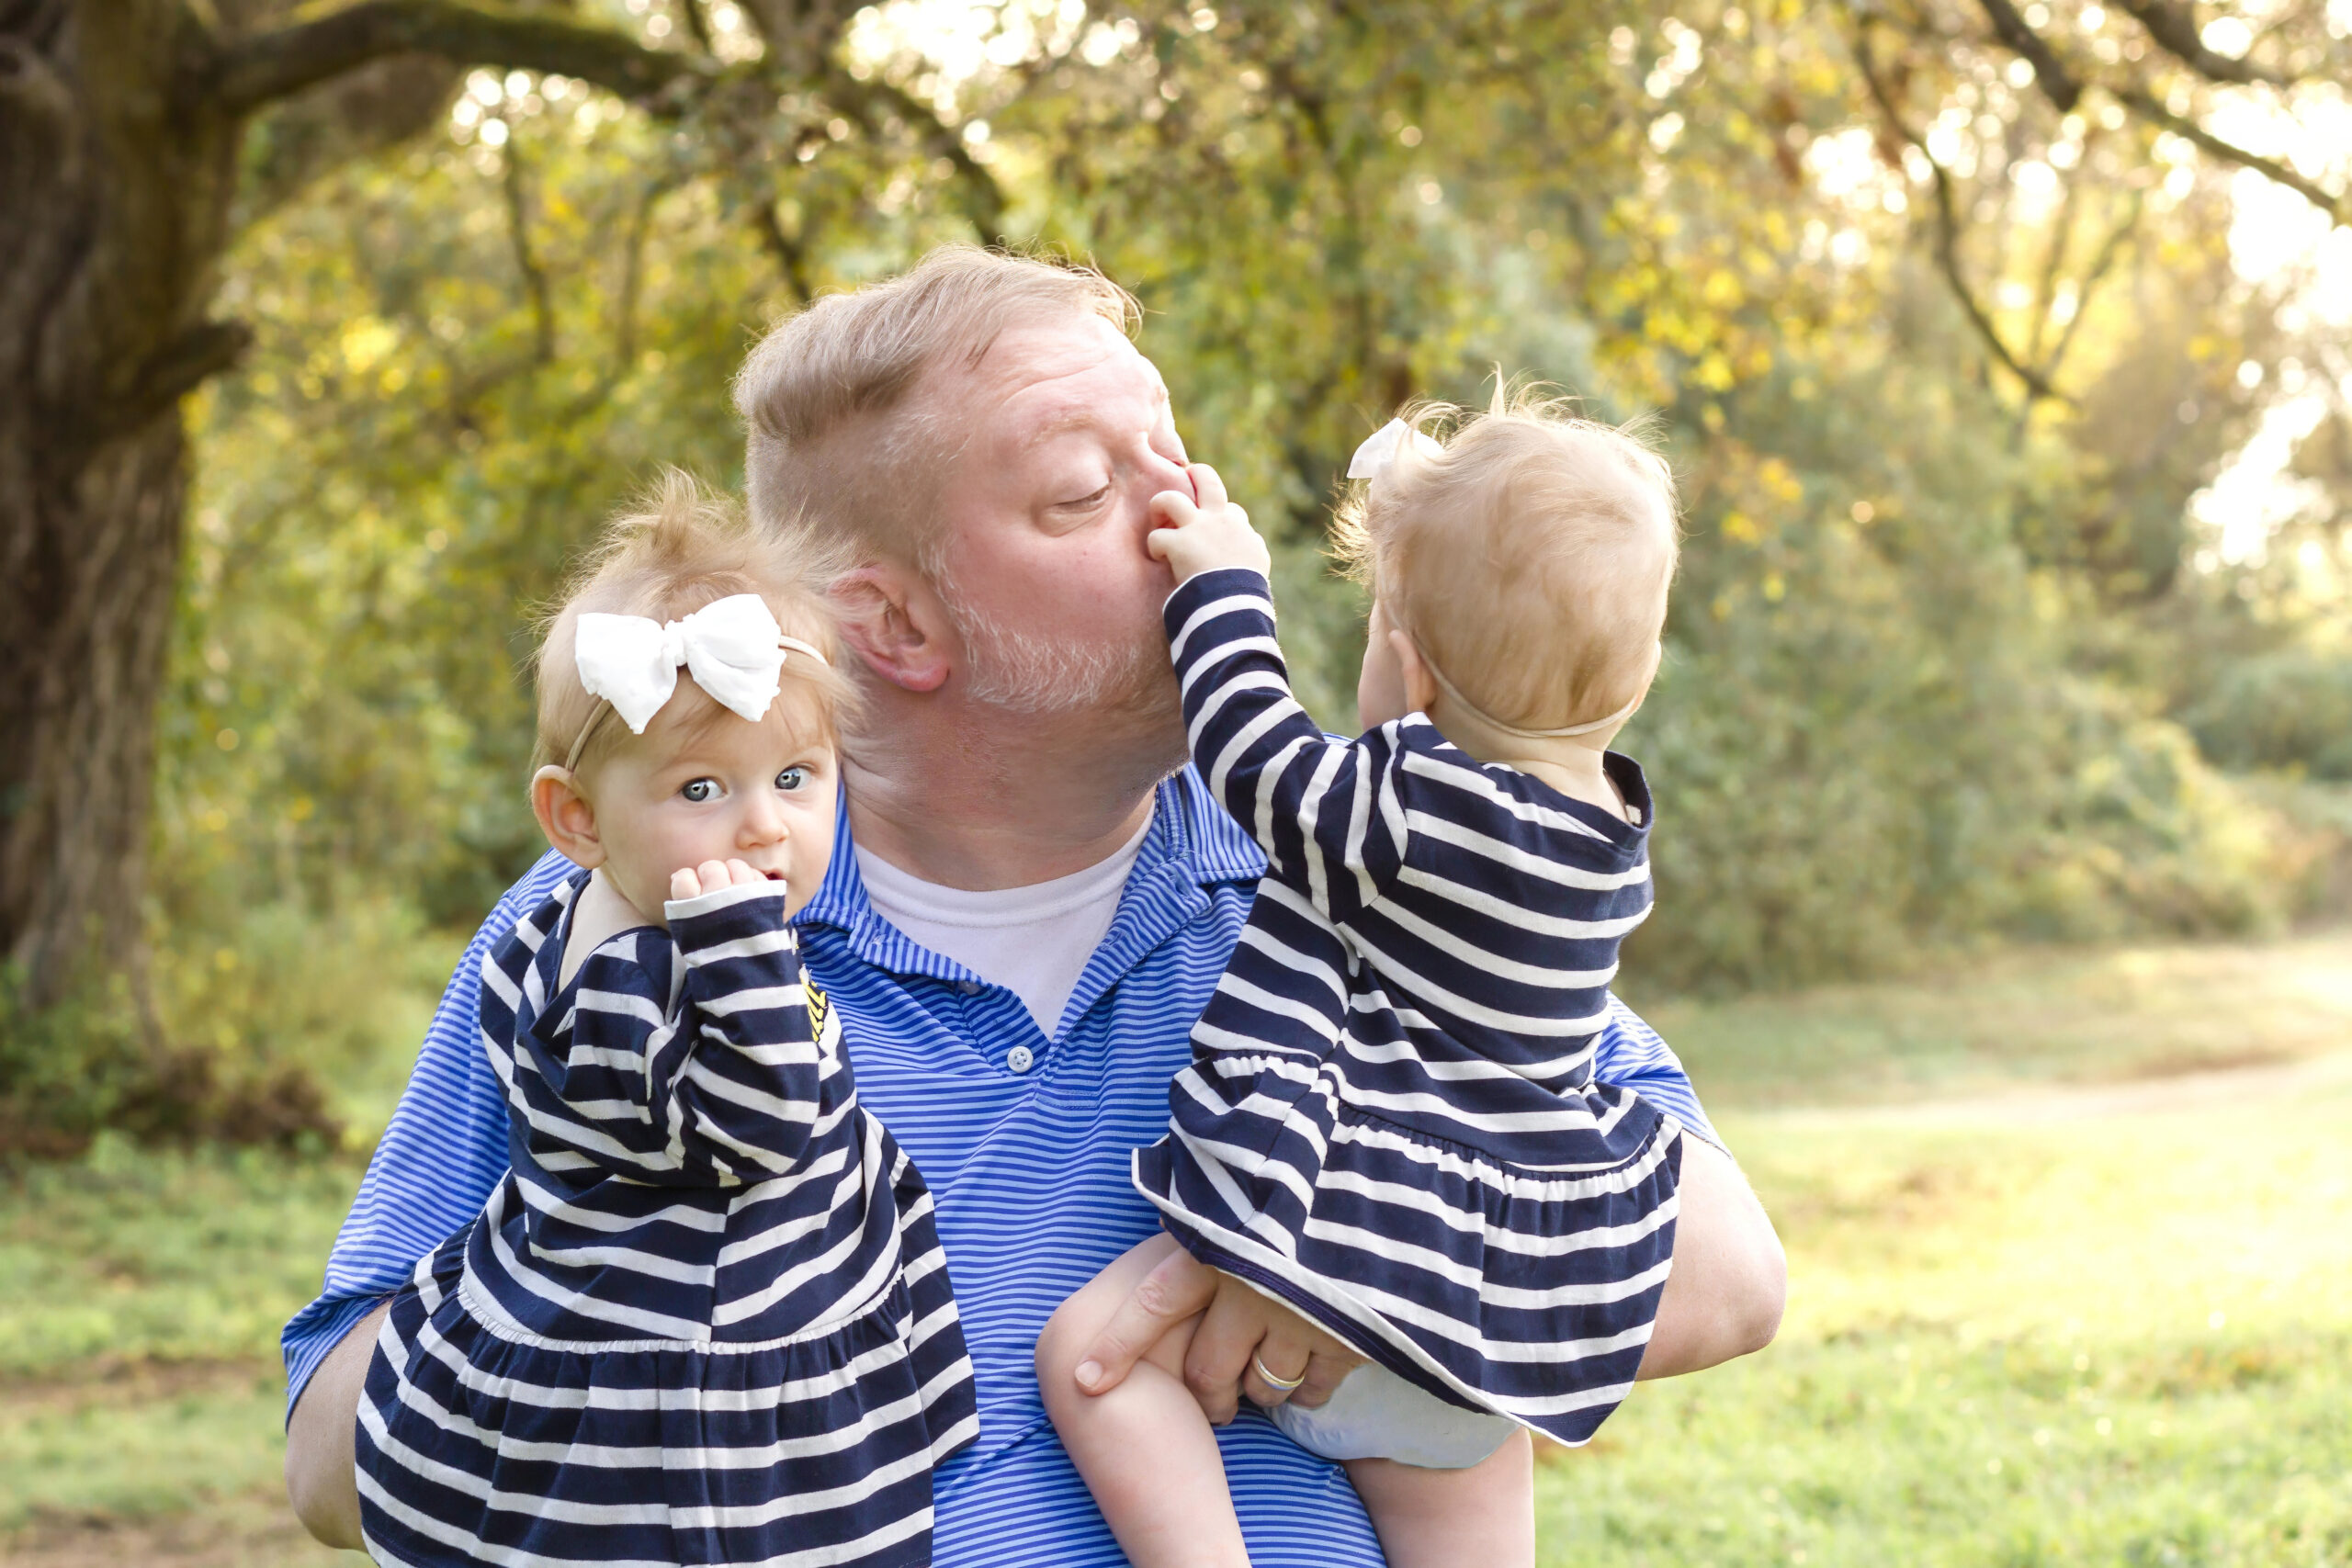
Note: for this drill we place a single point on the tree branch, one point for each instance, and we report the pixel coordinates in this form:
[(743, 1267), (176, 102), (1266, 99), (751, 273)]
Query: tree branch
[(2174, 27), (2057, 84), (527, 260), (873, 100), (2146, 106), (273, 65), (1948, 230), (791, 256)]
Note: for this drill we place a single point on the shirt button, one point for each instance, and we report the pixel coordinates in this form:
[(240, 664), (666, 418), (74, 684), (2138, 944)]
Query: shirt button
[(1020, 1059)]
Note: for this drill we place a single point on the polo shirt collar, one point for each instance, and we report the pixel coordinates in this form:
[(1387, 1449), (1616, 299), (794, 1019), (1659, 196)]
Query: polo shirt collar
[(1190, 840)]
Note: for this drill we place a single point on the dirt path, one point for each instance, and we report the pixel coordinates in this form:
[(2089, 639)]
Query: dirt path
[(247, 1532)]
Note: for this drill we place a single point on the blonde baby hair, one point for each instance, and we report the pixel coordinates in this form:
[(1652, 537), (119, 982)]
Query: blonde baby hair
[(1528, 559), (677, 549)]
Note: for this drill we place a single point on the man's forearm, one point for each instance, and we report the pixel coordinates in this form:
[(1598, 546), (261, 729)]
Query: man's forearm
[(319, 1440), (1730, 1278)]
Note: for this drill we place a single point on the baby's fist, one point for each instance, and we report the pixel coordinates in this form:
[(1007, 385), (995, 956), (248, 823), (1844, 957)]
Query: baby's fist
[(693, 882), (1204, 532)]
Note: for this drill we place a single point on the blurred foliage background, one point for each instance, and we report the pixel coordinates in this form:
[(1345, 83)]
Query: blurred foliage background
[(2012, 430)]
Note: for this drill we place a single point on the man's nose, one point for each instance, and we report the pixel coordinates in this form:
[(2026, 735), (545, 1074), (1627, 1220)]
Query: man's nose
[(1163, 472)]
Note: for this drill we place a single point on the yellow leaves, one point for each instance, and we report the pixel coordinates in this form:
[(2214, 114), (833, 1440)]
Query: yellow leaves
[(1776, 587), (1781, 480), (1740, 528), (365, 342)]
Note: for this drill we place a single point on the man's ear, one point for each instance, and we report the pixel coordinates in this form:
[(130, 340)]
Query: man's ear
[(567, 817), (894, 621), (1420, 690)]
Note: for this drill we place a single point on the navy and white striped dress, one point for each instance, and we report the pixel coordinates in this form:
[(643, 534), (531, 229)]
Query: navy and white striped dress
[(1390, 1121), (706, 1317)]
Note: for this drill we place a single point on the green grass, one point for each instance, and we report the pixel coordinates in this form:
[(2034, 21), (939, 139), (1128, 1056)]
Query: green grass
[(141, 1398), (2021, 1018), (2123, 1338), (2103, 1327)]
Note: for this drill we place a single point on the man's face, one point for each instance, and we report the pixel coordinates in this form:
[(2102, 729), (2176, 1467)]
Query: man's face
[(1044, 511)]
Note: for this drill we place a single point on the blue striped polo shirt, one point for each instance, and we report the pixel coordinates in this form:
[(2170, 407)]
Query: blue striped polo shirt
[(1029, 1168)]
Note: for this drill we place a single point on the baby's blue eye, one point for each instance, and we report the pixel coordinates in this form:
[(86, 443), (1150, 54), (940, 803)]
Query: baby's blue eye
[(792, 778), (700, 792)]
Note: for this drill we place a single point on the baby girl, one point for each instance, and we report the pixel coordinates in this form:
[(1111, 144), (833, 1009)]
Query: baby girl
[(706, 1317), (1390, 1122)]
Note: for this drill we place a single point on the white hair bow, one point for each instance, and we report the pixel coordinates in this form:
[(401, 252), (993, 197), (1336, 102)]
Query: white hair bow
[(733, 647), (1383, 446)]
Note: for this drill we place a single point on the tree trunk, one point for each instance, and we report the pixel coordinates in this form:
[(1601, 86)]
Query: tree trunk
[(116, 182)]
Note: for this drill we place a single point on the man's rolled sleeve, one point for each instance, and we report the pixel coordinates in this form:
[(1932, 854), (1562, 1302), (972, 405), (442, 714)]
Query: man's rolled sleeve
[(1631, 1054)]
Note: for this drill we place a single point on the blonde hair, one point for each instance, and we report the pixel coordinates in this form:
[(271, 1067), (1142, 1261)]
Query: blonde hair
[(1528, 559), (677, 549), (837, 441)]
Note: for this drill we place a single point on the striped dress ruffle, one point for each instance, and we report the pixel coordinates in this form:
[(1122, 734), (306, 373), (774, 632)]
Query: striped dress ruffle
[(1391, 1120), (706, 1317)]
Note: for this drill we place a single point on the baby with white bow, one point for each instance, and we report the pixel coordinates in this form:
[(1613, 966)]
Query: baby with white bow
[(1391, 1121), (706, 1317)]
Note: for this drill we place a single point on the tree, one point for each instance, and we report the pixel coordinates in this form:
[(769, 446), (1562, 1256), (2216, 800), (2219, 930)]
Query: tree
[(1338, 200), (135, 140)]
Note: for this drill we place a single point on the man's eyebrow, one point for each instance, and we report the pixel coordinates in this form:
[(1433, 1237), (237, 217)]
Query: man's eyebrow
[(1077, 416)]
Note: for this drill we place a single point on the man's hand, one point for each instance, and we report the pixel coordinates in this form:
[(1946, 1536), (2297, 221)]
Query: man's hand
[(693, 882), (1242, 1334), (1204, 532)]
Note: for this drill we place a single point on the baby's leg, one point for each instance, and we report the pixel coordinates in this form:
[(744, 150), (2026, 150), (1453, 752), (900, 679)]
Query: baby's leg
[(1480, 1518), (1146, 1452)]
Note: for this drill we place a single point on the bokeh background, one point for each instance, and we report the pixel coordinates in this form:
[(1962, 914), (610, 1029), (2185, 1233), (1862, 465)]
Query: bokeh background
[(2004, 741)]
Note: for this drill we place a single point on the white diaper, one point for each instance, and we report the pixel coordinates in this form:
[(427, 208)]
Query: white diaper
[(1378, 1415)]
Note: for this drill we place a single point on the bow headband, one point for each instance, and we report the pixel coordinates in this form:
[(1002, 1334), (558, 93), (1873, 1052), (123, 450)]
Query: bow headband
[(1383, 446), (731, 646)]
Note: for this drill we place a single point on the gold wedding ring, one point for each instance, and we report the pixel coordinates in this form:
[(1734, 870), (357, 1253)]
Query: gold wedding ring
[(1279, 1386)]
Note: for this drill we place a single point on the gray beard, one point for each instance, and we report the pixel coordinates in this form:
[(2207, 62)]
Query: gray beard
[(1024, 673)]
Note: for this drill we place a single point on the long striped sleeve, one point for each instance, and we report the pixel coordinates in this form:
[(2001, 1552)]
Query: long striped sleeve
[(720, 1086), (1314, 803)]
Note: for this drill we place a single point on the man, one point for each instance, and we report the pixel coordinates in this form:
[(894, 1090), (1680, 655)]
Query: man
[(1029, 907)]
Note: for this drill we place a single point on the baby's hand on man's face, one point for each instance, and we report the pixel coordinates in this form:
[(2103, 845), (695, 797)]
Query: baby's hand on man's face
[(693, 882), (1204, 532)]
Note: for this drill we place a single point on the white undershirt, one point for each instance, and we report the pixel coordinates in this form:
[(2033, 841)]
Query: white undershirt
[(1033, 940)]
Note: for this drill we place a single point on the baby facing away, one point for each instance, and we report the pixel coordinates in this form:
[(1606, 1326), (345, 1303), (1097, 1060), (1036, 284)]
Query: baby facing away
[(1390, 1122), (706, 1317)]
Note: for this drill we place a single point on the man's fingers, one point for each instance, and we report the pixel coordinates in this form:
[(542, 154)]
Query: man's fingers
[(1284, 1356), (1222, 1347), (1325, 1372), (1175, 1289), (1207, 486)]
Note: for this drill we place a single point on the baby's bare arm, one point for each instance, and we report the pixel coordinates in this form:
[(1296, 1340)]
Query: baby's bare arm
[(1145, 1449)]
